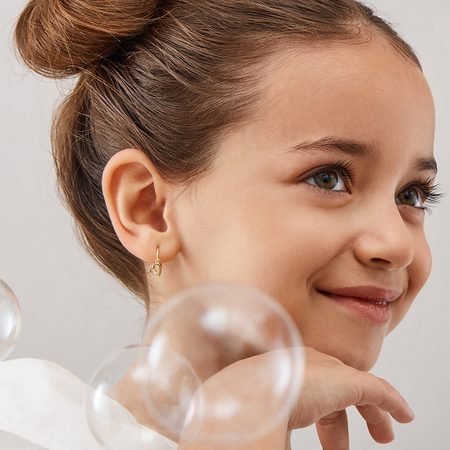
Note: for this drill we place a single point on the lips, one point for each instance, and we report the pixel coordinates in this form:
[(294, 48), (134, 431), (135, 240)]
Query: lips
[(368, 302), (365, 293)]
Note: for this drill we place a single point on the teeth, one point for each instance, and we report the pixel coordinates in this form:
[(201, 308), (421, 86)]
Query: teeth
[(380, 303)]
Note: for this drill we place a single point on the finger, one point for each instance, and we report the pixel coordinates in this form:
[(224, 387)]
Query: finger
[(382, 394), (333, 431), (378, 422)]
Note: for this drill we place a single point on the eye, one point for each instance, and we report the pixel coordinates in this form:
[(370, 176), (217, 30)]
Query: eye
[(420, 195), (330, 181), (411, 197), (331, 178)]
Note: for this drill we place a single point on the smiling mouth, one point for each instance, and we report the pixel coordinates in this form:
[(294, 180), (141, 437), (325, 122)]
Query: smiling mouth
[(369, 303)]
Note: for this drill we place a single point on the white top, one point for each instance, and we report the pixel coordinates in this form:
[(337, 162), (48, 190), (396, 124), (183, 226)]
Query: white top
[(42, 408)]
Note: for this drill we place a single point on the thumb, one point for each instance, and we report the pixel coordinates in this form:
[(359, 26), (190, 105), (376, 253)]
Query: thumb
[(333, 431)]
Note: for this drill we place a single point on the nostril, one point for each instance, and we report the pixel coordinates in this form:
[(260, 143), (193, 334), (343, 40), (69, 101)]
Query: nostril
[(380, 260)]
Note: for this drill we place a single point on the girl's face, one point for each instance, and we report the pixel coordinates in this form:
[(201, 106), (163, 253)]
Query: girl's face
[(322, 191)]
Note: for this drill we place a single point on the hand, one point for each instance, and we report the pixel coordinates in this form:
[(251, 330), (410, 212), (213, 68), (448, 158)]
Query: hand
[(329, 386)]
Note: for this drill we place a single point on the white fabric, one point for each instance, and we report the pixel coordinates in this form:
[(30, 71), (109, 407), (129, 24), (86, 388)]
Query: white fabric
[(42, 408)]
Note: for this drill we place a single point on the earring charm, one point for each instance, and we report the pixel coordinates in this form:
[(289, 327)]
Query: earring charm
[(155, 269)]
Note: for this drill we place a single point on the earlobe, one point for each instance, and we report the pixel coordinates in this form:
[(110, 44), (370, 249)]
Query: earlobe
[(139, 204)]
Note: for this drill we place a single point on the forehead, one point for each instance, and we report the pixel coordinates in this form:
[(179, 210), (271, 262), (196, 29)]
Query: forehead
[(364, 91)]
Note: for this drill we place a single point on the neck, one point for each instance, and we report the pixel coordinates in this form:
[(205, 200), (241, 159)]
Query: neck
[(126, 393), (288, 441)]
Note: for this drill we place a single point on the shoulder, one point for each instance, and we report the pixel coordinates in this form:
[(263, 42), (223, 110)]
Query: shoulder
[(43, 403)]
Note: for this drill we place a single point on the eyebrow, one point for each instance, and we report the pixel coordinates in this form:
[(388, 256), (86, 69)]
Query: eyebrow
[(355, 148)]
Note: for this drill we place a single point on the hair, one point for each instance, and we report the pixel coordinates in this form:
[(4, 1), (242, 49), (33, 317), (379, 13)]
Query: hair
[(169, 78)]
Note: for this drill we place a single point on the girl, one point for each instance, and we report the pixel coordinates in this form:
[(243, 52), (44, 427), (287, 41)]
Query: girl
[(283, 144)]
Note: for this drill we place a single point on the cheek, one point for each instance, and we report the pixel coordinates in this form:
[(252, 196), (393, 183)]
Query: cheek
[(418, 273), (420, 268), (270, 244), (300, 244)]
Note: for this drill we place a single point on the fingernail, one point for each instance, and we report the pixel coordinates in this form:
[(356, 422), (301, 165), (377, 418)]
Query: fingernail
[(411, 413)]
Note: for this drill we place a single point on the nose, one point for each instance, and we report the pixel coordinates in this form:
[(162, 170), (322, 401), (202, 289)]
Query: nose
[(384, 239)]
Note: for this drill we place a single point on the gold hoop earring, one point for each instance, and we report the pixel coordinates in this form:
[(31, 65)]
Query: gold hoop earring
[(156, 268)]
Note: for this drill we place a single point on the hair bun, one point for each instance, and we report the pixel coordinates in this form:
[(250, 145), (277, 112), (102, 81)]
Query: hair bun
[(58, 38)]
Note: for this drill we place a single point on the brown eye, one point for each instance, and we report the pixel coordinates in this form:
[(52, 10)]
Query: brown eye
[(410, 197)]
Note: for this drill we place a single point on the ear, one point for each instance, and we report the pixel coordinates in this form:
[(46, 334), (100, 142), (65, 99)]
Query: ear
[(140, 205)]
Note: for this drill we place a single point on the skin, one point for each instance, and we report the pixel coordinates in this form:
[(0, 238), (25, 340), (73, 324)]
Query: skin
[(259, 216)]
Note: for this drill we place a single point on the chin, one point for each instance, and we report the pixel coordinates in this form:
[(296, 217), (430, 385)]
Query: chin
[(362, 357), (361, 363)]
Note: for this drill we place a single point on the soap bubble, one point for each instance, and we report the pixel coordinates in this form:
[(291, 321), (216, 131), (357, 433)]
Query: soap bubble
[(211, 327), (188, 344), (112, 424), (10, 320)]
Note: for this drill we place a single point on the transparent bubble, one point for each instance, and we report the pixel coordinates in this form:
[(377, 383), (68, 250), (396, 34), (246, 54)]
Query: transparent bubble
[(191, 347), (114, 423), (10, 320), (210, 328)]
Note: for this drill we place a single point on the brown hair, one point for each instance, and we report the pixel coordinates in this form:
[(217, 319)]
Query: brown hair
[(169, 78)]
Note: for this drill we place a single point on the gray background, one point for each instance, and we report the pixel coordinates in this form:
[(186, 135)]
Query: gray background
[(76, 315)]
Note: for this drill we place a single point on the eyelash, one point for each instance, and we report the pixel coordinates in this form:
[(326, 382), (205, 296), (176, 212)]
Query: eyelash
[(428, 189)]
